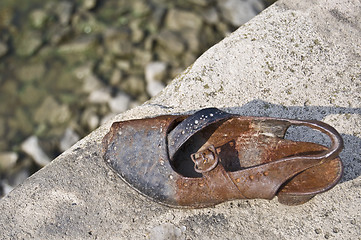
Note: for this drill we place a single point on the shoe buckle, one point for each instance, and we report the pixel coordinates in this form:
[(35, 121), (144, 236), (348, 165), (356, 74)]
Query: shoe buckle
[(205, 160)]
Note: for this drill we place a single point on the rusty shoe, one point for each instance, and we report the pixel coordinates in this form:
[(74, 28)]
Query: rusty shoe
[(213, 156)]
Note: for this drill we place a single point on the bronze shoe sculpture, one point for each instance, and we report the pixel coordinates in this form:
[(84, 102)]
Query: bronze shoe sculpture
[(212, 156)]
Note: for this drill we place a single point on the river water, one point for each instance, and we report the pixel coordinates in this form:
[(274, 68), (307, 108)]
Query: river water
[(67, 66)]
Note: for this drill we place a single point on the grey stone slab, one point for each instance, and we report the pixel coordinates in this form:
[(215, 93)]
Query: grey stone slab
[(297, 59)]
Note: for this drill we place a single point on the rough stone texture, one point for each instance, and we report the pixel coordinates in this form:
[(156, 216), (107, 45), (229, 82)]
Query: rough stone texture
[(297, 59)]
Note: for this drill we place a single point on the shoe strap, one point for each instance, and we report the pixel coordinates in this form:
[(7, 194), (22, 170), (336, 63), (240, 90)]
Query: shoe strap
[(193, 124), (205, 117)]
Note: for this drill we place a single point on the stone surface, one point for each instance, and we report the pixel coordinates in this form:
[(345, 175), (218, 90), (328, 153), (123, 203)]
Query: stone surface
[(297, 59), (165, 231)]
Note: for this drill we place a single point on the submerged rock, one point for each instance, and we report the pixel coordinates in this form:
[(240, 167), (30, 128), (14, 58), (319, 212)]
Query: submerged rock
[(171, 41), (101, 95), (137, 31), (64, 10), (119, 103), (132, 47), (153, 88), (69, 138), (154, 74), (50, 111), (91, 83), (38, 18), (6, 188), (155, 71), (79, 45), (84, 71), (116, 77), (179, 20), (238, 12), (202, 3), (31, 72), (3, 49), (7, 160), (90, 118), (118, 41), (3, 128), (133, 85), (32, 148), (28, 43), (210, 16), (58, 34), (89, 4)]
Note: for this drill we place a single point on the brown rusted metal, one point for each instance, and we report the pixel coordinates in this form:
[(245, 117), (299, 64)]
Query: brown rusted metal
[(205, 160), (212, 156)]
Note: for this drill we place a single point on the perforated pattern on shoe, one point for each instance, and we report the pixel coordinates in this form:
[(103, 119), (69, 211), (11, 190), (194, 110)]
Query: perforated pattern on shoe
[(194, 123)]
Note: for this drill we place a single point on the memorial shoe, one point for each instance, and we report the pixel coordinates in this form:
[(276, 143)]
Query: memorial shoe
[(212, 156)]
